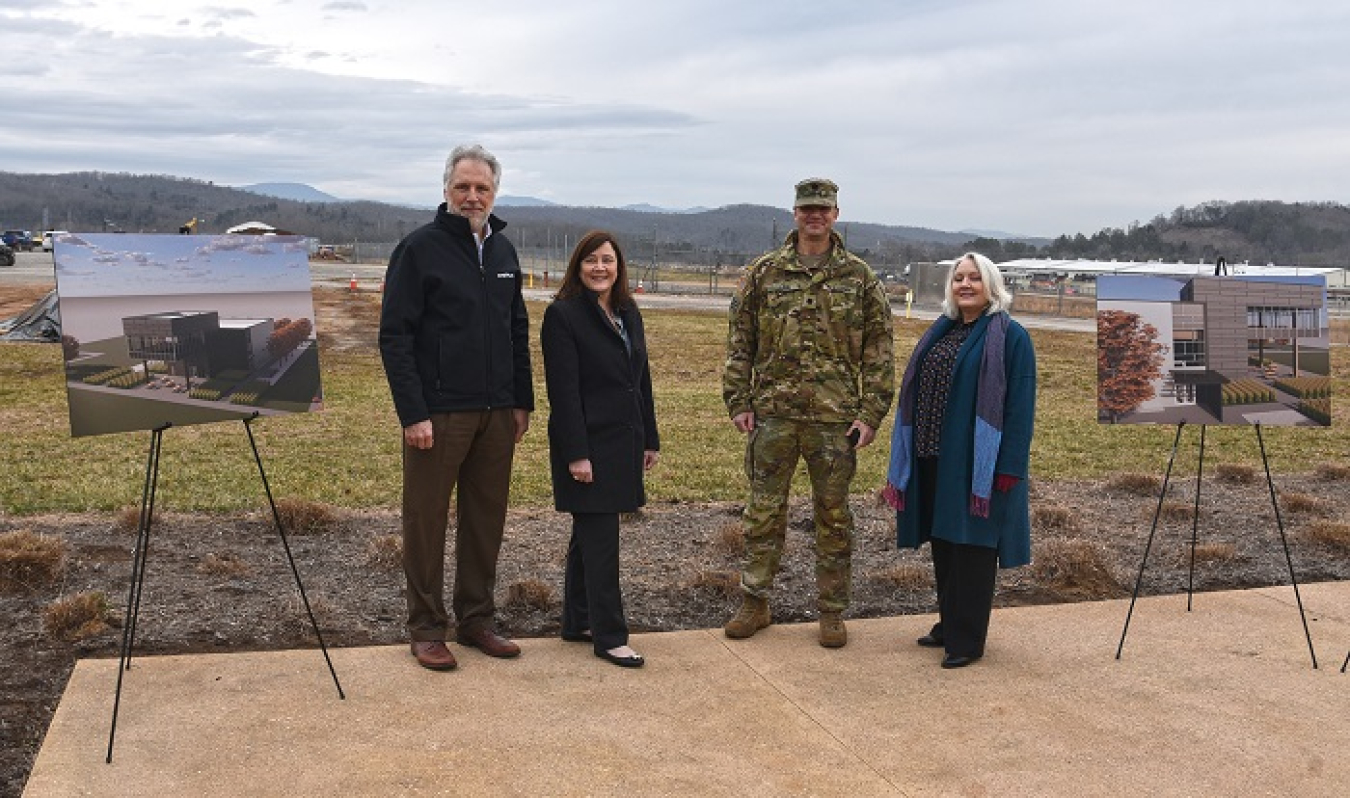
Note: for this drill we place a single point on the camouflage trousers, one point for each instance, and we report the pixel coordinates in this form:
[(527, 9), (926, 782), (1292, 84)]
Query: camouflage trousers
[(770, 460)]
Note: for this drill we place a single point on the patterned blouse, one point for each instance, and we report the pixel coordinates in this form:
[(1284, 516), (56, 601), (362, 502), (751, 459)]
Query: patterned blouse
[(935, 383)]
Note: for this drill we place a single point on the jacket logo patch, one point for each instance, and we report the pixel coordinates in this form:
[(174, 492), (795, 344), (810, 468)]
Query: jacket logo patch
[(506, 275)]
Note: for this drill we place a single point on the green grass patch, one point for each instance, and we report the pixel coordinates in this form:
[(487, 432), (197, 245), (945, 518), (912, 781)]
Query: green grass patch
[(349, 455)]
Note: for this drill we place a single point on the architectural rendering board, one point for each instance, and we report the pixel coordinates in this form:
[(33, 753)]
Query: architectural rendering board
[(1213, 350), (184, 329)]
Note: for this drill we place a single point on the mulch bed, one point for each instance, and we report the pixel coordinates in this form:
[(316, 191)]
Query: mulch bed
[(221, 582)]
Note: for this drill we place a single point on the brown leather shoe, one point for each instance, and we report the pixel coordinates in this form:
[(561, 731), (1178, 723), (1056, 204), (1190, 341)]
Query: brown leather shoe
[(489, 642), (433, 655)]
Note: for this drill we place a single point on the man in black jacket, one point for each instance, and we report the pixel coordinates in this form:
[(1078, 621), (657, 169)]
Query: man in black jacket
[(454, 337)]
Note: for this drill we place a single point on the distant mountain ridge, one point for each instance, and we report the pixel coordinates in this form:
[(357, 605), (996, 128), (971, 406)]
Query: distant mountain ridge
[(89, 201), (298, 192), (1260, 231), (510, 201), (1002, 235)]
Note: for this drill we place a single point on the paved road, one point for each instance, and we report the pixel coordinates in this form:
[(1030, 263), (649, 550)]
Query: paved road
[(30, 268)]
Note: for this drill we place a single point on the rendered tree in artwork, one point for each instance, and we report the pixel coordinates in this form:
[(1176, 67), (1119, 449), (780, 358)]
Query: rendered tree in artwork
[(1129, 359), (286, 338), (70, 347)]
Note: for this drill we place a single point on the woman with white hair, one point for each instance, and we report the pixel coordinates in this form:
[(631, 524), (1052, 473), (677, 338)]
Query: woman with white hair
[(960, 451)]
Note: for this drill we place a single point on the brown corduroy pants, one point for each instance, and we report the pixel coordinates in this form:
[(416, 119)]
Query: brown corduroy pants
[(471, 454)]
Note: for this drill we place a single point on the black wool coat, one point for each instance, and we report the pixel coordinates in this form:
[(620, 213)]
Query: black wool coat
[(600, 405)]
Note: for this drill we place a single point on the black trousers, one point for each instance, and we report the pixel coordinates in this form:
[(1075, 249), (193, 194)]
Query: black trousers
[(964, 577), (591, 597)]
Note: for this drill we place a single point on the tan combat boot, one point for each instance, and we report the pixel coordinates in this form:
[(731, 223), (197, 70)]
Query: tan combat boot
[(833, 634), (752, 616)]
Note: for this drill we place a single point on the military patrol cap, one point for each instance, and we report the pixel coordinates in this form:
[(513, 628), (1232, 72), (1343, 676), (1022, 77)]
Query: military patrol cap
[(817, 191)]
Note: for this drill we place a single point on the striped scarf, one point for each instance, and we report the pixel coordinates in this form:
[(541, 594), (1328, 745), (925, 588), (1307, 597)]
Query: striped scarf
[(991, 391)]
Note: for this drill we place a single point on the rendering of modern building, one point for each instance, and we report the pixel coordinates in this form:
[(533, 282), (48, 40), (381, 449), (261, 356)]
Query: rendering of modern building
[(1223, 328), (196, 343), (1218, 330)]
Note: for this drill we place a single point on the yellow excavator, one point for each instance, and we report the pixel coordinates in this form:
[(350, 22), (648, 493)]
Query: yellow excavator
[(189, 227)]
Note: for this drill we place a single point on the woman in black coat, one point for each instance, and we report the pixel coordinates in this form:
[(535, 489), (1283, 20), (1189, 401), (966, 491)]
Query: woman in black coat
[(601, 434)]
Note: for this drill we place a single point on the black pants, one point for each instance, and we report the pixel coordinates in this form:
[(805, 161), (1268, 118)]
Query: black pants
[(591, 598), (964, 576)]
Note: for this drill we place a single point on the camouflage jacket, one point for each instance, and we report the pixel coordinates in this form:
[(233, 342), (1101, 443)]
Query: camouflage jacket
[(810, 345)]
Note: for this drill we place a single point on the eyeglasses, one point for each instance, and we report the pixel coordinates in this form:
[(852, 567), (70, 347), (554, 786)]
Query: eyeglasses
[(814, 210)]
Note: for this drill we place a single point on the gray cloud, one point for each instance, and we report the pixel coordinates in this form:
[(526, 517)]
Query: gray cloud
[(222, 12), (1042, 117)]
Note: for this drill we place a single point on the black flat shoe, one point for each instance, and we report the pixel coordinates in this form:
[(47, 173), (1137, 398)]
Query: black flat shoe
[(578, 637), (931, 641), (634, 661), (958, 660)]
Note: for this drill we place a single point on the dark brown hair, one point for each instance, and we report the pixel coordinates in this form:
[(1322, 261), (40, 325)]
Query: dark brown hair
[(619, 295)]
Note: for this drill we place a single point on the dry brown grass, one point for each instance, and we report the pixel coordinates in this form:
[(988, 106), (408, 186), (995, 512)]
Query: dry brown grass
[(907, 576), (305, 517), (1056, 517), (533, 594), (76, 617), (1135, 483), (1177, 511), (1335, 534), (1235, 473), (226, 564), (729, 539), (29, 561), (1304, 503), (295, 621), (1075, 569), (723, 584), (1215, 551), (127, 519), (1333, 472), (385, 552)]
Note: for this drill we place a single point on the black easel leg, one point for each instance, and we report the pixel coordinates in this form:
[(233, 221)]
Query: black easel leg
[(1149, 545), (1270, 483), (147, 515), (1195, 519), (276, 516), (138, 561)]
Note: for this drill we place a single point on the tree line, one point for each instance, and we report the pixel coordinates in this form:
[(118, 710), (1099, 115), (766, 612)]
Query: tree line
[(1258, 231)]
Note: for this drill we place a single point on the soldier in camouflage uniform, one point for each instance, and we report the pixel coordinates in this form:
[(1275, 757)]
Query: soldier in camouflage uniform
[(809, 374)]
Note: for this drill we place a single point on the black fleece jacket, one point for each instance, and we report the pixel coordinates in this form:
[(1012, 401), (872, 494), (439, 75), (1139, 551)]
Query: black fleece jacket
[(454, 335)]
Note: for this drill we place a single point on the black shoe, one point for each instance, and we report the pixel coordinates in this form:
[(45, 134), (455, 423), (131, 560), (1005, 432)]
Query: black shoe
[(634, 661), (931, 640), (958, 660), (578, 637)]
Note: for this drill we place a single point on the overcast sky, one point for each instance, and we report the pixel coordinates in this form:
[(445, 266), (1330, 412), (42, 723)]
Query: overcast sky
[(1039, 117)]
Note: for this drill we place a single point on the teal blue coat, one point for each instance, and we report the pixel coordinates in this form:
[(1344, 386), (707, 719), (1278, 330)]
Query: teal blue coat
[(1008, 527)]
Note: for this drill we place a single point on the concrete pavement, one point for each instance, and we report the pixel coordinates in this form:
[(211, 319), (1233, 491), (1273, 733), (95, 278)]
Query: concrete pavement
[(1218, 701)]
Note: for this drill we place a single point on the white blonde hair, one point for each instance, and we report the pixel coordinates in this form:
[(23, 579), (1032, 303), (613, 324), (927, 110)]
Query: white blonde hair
[(1000, 298)]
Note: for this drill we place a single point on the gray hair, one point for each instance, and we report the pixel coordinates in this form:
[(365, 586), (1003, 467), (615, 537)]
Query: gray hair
[(1000, 298), (473, 152)]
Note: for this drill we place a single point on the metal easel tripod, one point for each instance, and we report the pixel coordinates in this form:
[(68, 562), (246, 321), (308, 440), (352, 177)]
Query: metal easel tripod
[(142, 551), (1195, 523)]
